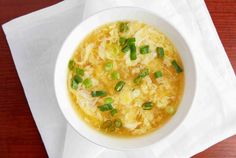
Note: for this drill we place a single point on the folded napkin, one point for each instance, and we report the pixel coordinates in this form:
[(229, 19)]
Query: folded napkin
[(35, 41)]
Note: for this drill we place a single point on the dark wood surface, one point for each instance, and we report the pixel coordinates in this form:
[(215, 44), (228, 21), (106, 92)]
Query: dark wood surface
[(19, 136)]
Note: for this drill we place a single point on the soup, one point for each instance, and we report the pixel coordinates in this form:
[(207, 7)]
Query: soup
[(125, 79)]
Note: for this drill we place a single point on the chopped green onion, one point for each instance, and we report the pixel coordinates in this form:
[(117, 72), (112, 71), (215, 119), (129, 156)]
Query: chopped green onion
[(106, 124), (144, 49), (71, 64), (125, 49), (108, 66), (133, 55), (75, 81), (122, 41), (144, 73), (124, 27), (113, 112), (158, 74), (79, 71), (105, 107), (108, 100), (130, 41), (87, 83), (147, 106), (118, 123), (115, 75), (160, 52), (129, 46), (119, 86), (170, 110), (74, 84), (98, 93), (137, 80), (178, 69)]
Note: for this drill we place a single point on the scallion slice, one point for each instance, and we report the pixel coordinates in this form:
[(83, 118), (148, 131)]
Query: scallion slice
[(113, 112), (115, 75), (105, 107), (130, 41), (125, 49), (144, 73), (160, 52), (108, 100), (87, 83), (158, 74), (133, 55), (79, 71), (75, 81), (178, 69), (123, 27), (137, 80), (141, 75), (108, 66), (71, 64), (98, 93), (144, 49), (119, 86), (74, 85), (122, 41), (147, 106)]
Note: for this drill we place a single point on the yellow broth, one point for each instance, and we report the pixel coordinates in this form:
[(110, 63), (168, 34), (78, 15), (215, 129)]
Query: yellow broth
[(153, 81)]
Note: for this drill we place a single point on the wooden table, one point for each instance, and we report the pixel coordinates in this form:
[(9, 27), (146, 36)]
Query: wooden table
[(19, 136)]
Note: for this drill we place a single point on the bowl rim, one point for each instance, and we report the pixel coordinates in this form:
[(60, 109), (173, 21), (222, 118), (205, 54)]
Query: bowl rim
[(195, 87)]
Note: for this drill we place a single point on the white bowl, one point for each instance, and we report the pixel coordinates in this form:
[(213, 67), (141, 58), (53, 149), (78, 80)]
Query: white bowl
[(71, 43)]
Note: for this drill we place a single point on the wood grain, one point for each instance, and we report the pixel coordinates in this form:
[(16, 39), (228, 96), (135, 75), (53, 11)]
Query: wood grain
[(19, 136)]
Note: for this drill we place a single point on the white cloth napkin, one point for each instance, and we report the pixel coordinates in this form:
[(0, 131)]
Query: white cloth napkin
[(35, 41)]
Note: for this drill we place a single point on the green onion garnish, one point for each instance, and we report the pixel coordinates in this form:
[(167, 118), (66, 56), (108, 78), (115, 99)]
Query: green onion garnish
[(78, 79), (87, 83), (79, 71), (144, 49), (108, 100), (71, 64), (75, 81), (119, 86), (130, 41), (137, 80), (98, 93), (129, 45), (158, 74), (160, 52), (133, 55), (125, 49), (178, 69), (105, 107), (118, 123), (124, 27), (144, 73), (113, 112), (115, 75), (74, 84), (108, 66), (122, 41), (147, 106)]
